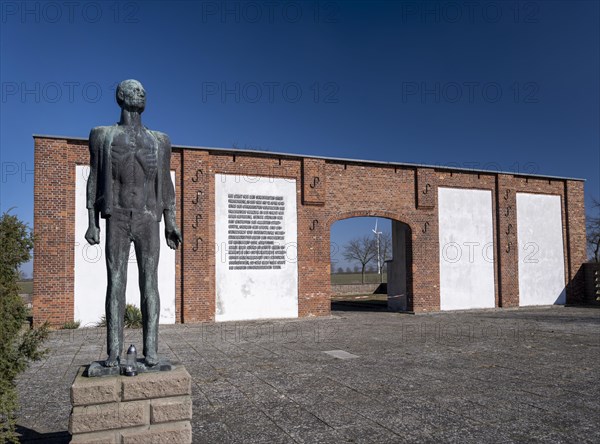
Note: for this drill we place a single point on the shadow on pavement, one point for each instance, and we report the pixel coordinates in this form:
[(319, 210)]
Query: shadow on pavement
[(359, 306), (31, 436)]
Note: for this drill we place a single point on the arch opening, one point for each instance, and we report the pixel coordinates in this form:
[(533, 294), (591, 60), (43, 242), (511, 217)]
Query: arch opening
[(370, 263)]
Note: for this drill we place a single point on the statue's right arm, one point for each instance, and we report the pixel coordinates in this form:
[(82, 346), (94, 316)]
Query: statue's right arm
[(96, 140)]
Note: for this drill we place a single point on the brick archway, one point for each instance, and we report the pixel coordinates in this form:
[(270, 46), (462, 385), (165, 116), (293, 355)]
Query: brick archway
[(365, 213), (400, 273)]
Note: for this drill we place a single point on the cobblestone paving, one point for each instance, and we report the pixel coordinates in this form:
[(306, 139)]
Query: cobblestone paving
[(497, 376)]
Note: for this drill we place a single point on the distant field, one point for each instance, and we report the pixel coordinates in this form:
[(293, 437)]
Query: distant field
[(354, 278), (26, 287), (360, 298)]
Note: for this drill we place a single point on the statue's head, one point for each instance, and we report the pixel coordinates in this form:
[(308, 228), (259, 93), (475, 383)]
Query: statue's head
[(131, 95)]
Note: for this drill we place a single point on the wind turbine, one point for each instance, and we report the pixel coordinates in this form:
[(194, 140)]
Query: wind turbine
[(377, 234)]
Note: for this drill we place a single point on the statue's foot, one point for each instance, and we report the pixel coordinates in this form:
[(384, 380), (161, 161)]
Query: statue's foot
[(151, 360), (112, 361)]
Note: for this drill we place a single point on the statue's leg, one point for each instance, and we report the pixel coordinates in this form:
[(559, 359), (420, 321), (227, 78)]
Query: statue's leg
[(118, 243), (147, 250)]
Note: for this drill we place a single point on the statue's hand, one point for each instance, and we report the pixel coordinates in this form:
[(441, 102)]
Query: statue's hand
[(173, 237), (92, 235)]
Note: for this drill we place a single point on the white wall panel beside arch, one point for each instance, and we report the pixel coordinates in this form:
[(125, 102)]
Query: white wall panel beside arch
[(541, 252), (256, 248), (466, 256)]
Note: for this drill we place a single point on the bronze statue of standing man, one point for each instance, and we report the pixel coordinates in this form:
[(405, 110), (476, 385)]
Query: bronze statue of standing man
[(130, 186)]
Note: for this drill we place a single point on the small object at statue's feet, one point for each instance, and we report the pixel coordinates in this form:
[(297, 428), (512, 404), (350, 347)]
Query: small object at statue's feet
[(131, 361), (127, 371)]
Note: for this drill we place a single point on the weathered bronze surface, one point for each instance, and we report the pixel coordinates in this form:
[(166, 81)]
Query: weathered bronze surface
[(130, 186)]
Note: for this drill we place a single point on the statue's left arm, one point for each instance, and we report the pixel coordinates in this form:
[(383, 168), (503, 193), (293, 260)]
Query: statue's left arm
[(172, 233)]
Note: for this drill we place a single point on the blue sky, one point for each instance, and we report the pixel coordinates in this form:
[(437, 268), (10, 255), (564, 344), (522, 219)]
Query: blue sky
[(495, 85)]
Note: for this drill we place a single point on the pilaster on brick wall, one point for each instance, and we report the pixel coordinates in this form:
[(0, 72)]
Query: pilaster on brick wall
[(576, 236), (425, 263), (506, 241), (314, 289), (197, 207)]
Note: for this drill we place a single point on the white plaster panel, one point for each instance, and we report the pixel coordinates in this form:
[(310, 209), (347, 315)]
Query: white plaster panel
[(466, 237), (541, 254), (255, 293), (90, 266)]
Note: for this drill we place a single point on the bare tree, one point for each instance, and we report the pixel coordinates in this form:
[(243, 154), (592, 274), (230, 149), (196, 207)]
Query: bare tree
[(361, 250), (593, 232)]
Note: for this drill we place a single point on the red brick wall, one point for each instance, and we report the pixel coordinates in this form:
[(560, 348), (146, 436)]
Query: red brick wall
[(327, 191), (574, 210), (54, 183), (198, 257)]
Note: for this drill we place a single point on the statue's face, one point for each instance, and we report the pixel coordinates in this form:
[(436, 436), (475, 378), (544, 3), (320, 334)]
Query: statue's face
[(131, 95)]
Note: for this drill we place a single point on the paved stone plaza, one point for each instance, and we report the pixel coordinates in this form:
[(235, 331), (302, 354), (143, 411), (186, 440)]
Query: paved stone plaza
[(496, 376)]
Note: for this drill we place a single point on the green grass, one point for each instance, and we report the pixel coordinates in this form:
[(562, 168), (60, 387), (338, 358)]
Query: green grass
[(354, 278), (25, 287), (71, 325)]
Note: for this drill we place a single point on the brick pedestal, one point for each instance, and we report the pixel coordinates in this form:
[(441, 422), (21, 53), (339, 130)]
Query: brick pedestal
[(147, 408)]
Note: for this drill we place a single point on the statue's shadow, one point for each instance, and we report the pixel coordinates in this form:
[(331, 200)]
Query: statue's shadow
[(31, 436)]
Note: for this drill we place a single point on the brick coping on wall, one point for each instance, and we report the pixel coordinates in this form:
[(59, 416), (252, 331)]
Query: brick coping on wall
[(336, 159)]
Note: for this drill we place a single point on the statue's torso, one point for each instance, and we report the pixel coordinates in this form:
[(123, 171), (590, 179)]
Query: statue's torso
[(134, 159)]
